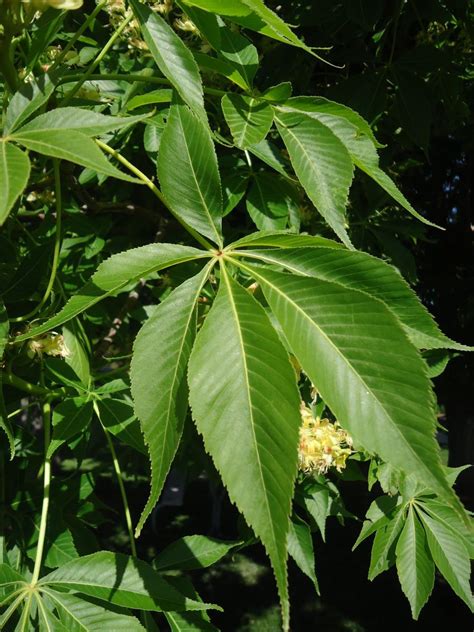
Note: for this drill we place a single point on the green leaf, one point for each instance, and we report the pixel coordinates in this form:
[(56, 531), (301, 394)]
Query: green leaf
[(414, 564), (80, 615), (60, 548), (317, 503), (444, 514), (160, 357), (348, 342), (85, 121), (270, 201), (207, 24), (300, 548), (322, 164), (383, 547), (188, 172), (361, 271), (115, 273), (120, 580), (221, 67), (31, 96), (188, 621), (163, 95), (77, 359), (436, 360), (278, 93), (253, 15), (73, 146), (361, 148), (249, 416), (249, 119), (322, 106), (240, 53), (191, 552), (284, 239), (172, 57), (450, 556), (379, 514), (14, 175), (70, 417), (118, 417), (48, 622)]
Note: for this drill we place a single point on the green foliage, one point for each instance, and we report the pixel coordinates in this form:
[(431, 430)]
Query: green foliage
[(131, 351)]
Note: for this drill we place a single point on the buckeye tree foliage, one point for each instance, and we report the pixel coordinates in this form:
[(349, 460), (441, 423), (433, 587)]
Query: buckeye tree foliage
[(180, 277)]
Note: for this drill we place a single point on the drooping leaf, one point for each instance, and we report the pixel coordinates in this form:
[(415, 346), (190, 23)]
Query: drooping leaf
[(87, 122), (359, 145), (78, 614), (158, 369), (115, 273), (188, 172), (239, 52), (192, 551), (382, 555), (249, 119), (249, 416), (172, 57), (14, 174), (254, 15), (317, 503), (270, 201), (361, 271), (450, 556), (118, 417), (73, 146), (322, 164), (70, 418), (120, 580), (414, 564), (348, 342), (379, 514), (300, 548), (30, 96)]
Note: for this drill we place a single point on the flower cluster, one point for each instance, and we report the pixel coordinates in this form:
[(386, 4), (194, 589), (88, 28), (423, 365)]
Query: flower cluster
[(323, 444), (52, 344)]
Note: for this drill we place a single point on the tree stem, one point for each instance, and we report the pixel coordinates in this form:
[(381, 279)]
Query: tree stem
[(46, 490)]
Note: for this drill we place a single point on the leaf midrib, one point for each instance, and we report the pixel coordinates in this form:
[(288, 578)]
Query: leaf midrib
[(252, 424)]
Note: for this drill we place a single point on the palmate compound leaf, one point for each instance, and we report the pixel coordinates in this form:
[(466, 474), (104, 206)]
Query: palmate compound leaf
[(360, 271), (360, 144), (160, 358), (414, 563), (120, 580), (188, 172), (450, 556), (115, 273), (370, 375), (323, 166), (245, 403)]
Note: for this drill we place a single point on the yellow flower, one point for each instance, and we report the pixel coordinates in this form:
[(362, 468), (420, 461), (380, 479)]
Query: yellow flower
[(52, 344), (323, 444)]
